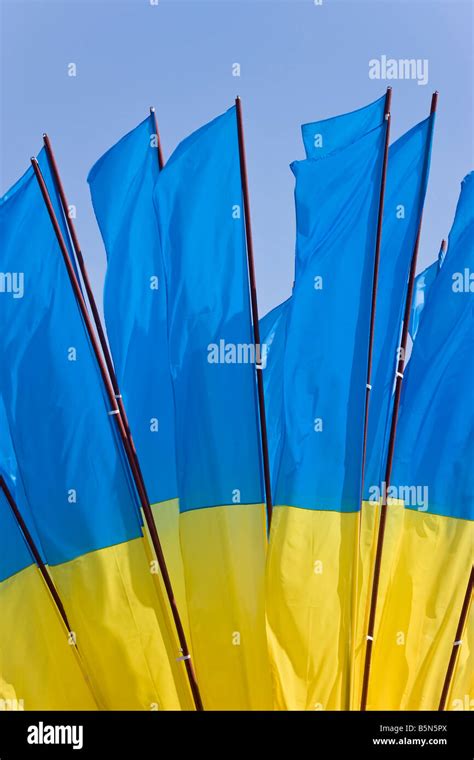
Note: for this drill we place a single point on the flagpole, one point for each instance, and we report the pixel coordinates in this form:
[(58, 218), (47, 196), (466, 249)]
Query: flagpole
[(46, 576), (457, 641), (368, 386), (115, 404), (88, 288), (85, 277), (254, 307), (443, 249), (159, 149), (393, 429), (383, 182)]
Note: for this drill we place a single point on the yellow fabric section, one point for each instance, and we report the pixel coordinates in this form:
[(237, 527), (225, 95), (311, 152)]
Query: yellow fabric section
[(368, 516), (39, 669), (310, 600), (122, 628), (461, 695), (425, 568), (223, 552), (166, 517)]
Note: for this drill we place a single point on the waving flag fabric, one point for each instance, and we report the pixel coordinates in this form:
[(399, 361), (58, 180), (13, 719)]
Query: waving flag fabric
[(461, 694), (73, 472), (198, 199), (311, 560), (405, 191), (121, 185), (404, 199), (429, 557), (33, 633), (423, 283), (273, 336), (327, 136)]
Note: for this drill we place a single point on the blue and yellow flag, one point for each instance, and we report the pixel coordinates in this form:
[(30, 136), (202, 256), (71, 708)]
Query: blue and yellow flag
[(310, 586), (407, 176), (199, 204), (121, 184), (73, 471), (39, 669), (428, 555)]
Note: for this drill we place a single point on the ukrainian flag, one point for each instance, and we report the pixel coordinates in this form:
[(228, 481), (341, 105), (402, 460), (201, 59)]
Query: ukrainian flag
[(427, 555), (79, 492), (311, 561), (39, 669), (404, 199), (199, 204), (121, 185)]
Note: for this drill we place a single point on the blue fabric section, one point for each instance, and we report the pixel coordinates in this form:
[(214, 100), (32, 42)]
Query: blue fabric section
[(199, 204), (273, 336), (14, 552), (404, 198), (121, 185), (14, 555), (328, 325), (434, 447), (422, 286), (65, 443), (327, 136)]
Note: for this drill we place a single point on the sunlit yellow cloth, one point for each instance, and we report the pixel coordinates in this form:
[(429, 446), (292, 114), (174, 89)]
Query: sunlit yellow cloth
[(426, 563), (166, 517), (39, 669), (310, 599), (223, 552), (123, 629), (461, 694)]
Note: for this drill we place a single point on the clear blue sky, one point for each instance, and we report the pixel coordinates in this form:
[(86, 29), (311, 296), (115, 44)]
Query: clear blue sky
[(299, 62)]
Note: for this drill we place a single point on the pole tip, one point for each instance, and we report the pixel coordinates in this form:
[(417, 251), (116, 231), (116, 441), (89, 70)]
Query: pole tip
[(44, 135), (237, 97), (33, 160), (152, 109), (444, 245)]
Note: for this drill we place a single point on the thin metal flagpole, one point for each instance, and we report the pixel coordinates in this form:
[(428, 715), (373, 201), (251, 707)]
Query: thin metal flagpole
[(393, 428), (368, 387), (85, 278), (159, 149), (88, 288), (46, 577), (254, 307), (457, 641), (130, 454), (378, 243), (443, 249)]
